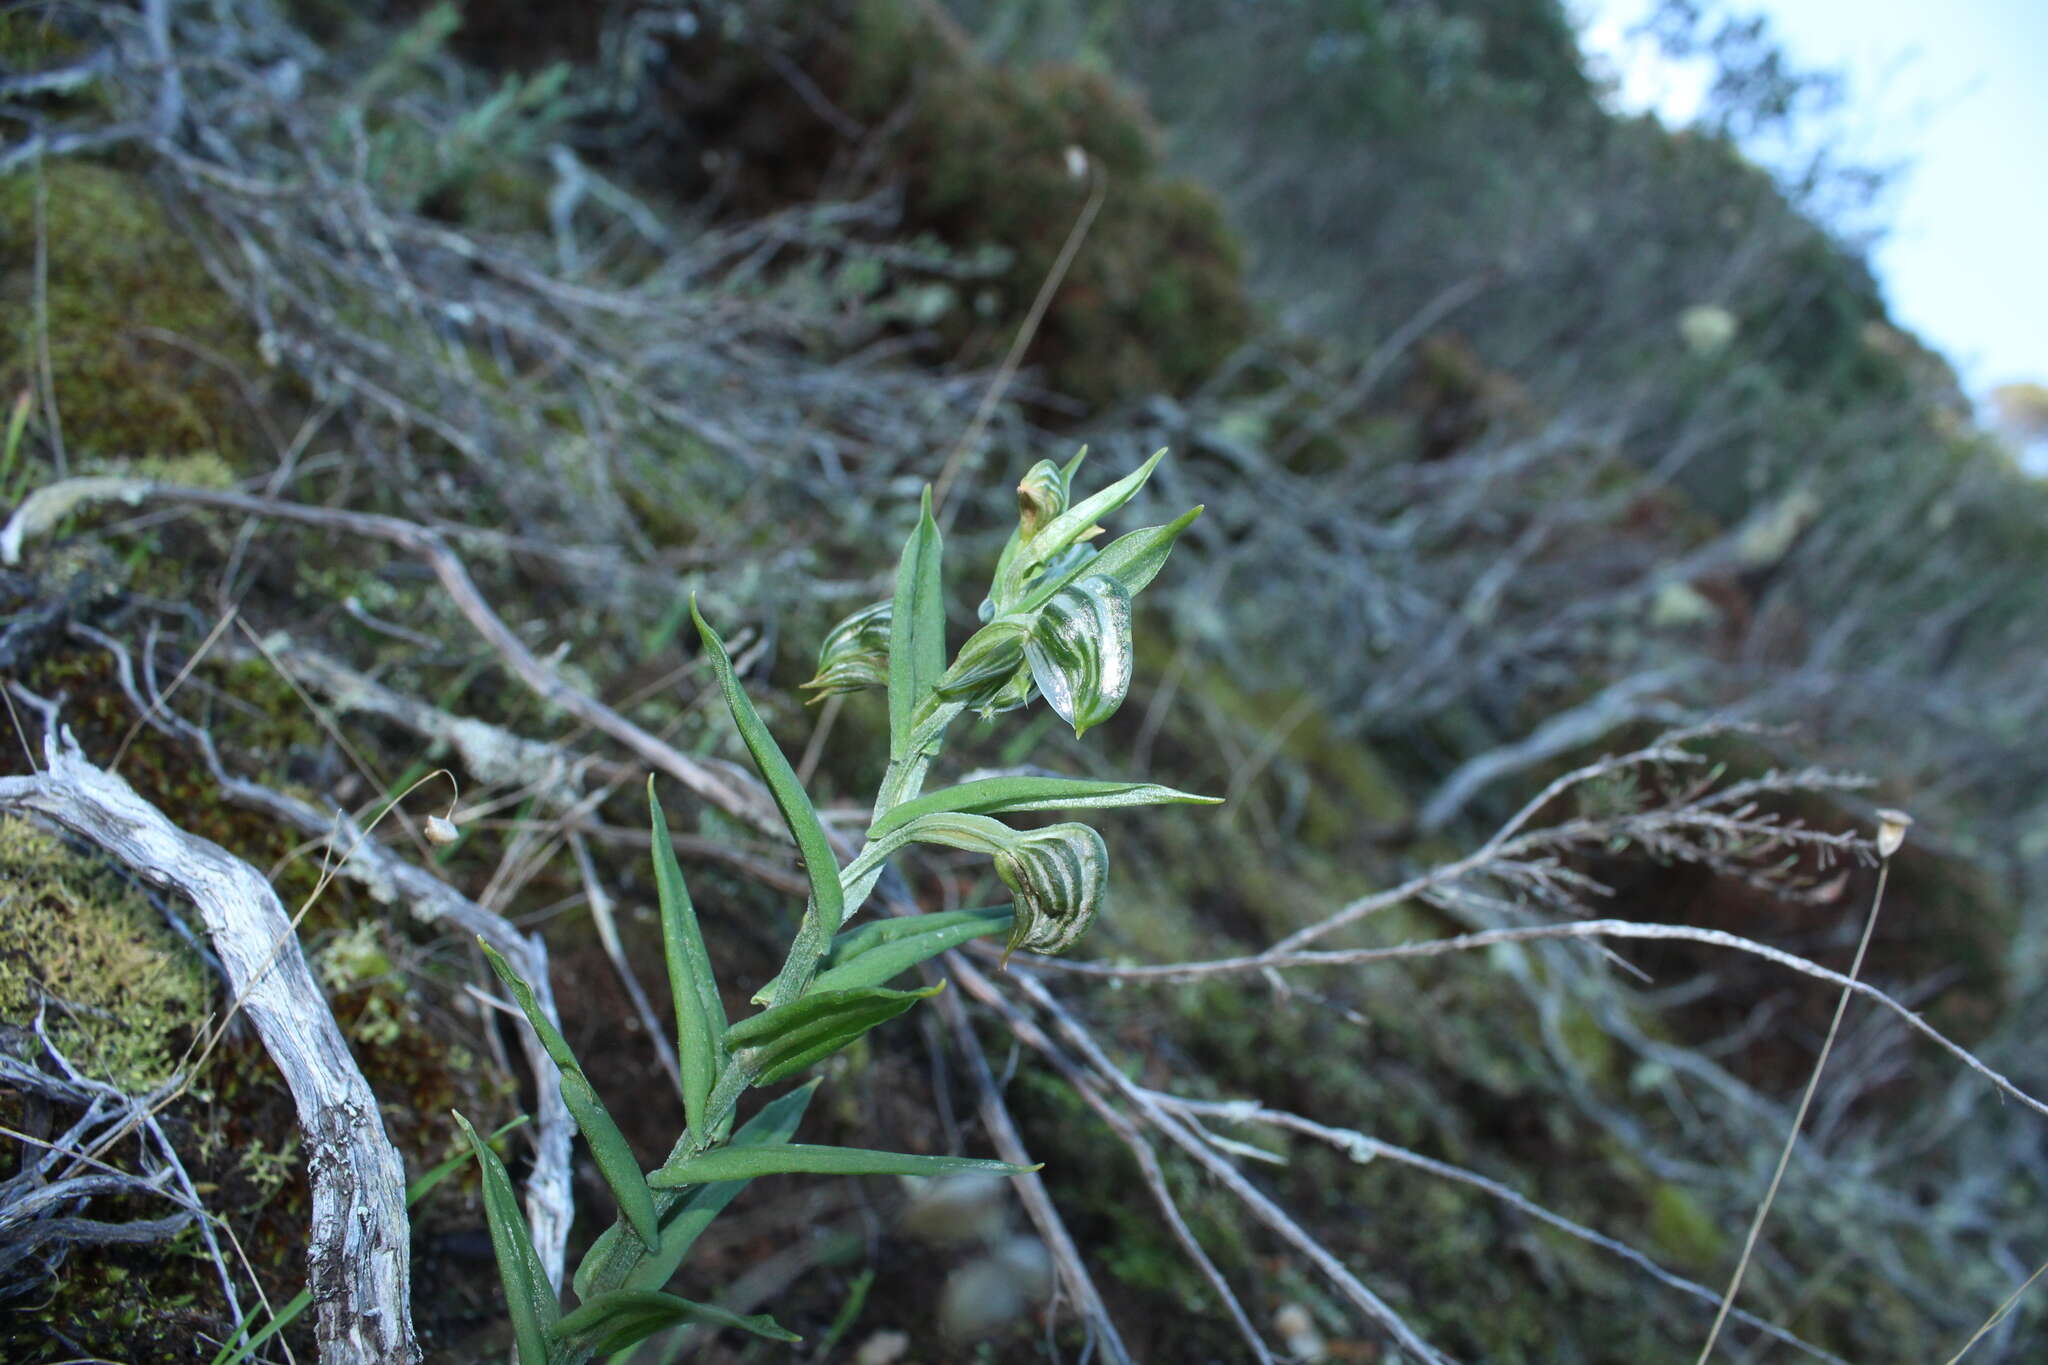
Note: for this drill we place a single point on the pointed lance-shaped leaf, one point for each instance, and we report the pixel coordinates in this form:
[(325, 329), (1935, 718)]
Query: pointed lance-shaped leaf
[(529, 1299), (748, 1163), (430, 1179), (879, 952), (1060, 875), (1007, 794), (700, 1014), (1133, 560), (626, 1317), (603, 1269), (608, 1146), (820, 866), (855, 654), (784, 1039), (917, 629), (1080, 651)]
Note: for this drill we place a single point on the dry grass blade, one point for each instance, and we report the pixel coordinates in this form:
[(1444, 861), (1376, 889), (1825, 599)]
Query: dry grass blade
[(1820, 1062)]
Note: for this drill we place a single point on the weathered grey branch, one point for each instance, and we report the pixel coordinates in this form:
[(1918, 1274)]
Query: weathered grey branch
[(550, 1202), (1270, 961), (1631, 699), (360, 1260)]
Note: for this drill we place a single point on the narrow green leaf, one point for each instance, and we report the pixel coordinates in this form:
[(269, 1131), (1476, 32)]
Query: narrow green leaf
[(432, 1177), (849, 1311), (1133, 560), (858, 943), (700, 1015), (796, 808), (796, 1158), (608, 1146), (1005, 795), (785, 1039), (917, 628), (773, 1126), (529, 1300), (626, 1317), (898, 945), (243, 1347)]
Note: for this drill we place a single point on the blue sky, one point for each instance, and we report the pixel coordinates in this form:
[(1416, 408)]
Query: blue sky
[(1957, 89)]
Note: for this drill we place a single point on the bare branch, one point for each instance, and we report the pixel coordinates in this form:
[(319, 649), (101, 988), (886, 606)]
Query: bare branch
[(360, 1259), (1272, 960)]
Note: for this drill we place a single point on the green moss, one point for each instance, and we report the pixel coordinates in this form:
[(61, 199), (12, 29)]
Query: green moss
[(29, 40), (122, 992), (121, 280), (1590, 1045), (1683, 1230), (1153, 301)]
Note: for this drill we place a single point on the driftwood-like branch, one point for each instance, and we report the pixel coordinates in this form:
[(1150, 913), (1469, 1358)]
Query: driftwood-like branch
[(359, 856), (358, 1252)]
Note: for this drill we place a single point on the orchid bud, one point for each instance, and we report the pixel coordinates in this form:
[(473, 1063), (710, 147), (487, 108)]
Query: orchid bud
[(855, 654), (1015, 693), (1041, 496), (1058, 875), (1080, 650), (986, 664)]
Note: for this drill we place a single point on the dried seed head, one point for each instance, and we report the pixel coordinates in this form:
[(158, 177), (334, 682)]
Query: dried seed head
[(1891, 831), (441, 831)]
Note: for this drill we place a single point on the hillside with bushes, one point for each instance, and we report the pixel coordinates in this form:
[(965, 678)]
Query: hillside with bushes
[(1587, 561)]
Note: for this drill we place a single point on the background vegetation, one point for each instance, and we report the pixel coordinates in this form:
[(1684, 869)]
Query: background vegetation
[(1527, 432)]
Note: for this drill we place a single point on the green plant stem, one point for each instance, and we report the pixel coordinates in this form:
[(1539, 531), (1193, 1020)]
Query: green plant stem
[(905, 776), (902, 782)]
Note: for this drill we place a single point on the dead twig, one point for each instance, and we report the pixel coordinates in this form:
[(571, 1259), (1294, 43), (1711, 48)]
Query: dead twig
[(358, 1250)]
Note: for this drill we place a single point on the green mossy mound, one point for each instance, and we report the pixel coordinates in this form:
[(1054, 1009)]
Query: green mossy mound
[(120, 992), (147, 355), (777, 104)]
